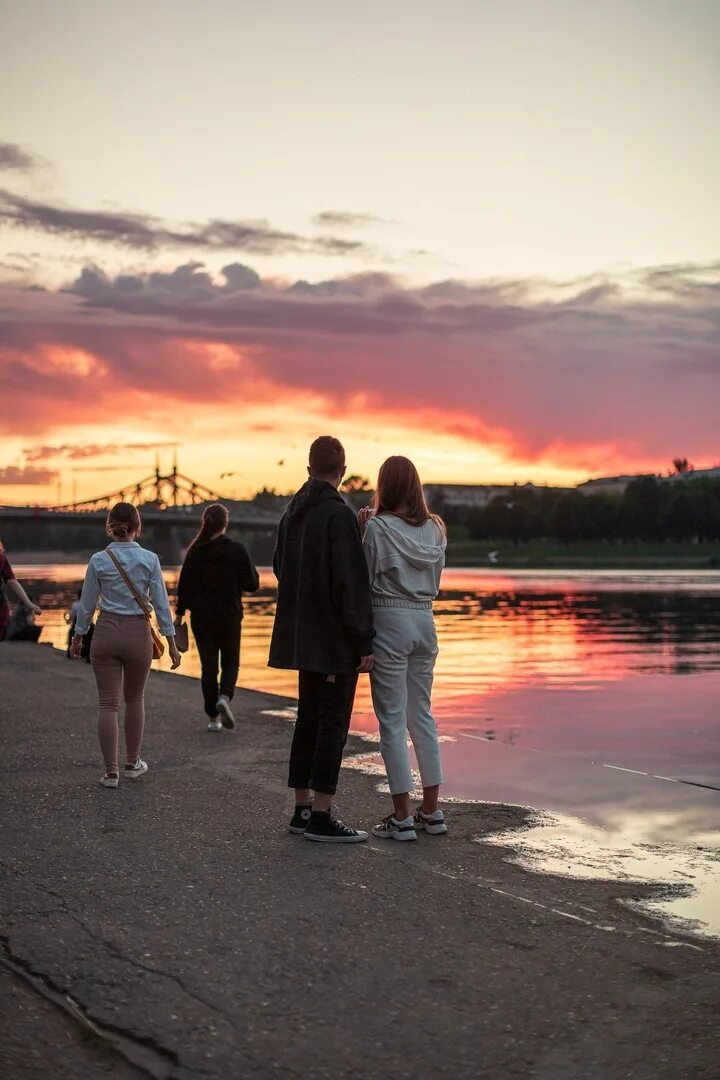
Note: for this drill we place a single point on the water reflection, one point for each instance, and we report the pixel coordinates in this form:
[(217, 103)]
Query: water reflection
[(545, 683)]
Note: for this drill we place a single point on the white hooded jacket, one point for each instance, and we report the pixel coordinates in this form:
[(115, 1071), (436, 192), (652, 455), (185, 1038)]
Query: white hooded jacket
[(404, 561)]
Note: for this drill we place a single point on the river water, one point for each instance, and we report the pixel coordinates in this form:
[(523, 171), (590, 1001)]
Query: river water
[(592, 697)]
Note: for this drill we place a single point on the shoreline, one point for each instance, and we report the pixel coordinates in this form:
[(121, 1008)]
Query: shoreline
[(499, 818), (471, 558), (170, 907), (629, 564), (546, 839)]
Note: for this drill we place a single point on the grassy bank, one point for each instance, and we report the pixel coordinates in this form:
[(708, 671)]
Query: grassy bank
[(537, 554)]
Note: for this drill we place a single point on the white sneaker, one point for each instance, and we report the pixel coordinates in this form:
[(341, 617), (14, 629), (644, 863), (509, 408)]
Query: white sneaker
[(226, 717), (134, 772), (432, 823), (392, 829), (109, 780), (214, 725)]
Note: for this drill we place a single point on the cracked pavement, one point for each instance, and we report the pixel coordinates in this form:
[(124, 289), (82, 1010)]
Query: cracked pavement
[(173, 928)]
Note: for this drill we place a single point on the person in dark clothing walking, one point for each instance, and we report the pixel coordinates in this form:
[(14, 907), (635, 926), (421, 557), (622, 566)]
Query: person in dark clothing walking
[(323, 629), (215, 574)]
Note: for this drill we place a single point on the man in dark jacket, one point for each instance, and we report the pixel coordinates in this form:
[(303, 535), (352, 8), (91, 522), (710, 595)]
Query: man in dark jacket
[(324, 630)]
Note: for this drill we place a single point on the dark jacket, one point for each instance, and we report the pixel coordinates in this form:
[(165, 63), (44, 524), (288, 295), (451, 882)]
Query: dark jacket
[(324, 619), (214, 576)]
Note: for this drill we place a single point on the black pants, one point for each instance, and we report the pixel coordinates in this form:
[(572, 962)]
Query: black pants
[(325, 704), (217, 637)]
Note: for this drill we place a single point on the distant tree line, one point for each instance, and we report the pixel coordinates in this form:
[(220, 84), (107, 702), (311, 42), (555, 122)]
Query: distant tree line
[(650, 509)]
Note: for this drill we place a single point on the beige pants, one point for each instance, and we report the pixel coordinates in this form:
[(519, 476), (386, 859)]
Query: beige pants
[(121, 654)]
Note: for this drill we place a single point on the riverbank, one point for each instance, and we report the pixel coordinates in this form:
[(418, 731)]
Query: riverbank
[(180, 919), (463, 552), (581, 555)]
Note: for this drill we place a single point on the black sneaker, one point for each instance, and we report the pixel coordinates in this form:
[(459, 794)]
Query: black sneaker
[(330, 830), (299, 820)]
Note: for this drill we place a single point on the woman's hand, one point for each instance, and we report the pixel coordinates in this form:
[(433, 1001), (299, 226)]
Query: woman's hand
[(76, 645), (364, 516), (34, 609), (175, 657)]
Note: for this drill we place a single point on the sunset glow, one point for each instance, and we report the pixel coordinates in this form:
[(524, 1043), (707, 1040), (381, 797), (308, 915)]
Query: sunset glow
[(501, 293)]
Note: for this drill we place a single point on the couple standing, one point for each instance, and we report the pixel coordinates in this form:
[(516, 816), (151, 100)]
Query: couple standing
[(356, 596)]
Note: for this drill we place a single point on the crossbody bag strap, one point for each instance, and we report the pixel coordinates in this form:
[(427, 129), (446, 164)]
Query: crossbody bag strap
[(129, 583)]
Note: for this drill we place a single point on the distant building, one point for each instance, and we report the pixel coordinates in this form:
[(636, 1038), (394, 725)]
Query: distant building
[(470, 496), (607, 485), (615, 485), (697, 474)]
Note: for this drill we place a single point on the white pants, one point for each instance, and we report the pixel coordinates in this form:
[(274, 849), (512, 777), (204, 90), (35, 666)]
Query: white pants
[(405, 648)]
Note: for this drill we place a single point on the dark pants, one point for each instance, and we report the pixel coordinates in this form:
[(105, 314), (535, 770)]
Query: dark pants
[(217, 637), (325, 704)]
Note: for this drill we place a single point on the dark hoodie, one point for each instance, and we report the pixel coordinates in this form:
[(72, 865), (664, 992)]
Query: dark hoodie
[(214, 576), (323, 621)]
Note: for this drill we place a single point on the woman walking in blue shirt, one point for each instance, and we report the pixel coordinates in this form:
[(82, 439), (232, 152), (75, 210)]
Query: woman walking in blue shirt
[(121, 651)]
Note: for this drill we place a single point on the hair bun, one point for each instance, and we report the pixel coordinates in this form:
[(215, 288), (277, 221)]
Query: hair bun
[(123, 520)]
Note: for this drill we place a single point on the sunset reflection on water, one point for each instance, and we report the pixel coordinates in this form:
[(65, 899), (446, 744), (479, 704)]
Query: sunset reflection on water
[(584, 662)]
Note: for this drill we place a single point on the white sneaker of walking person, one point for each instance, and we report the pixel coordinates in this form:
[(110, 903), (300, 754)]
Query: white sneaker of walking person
[(226, 713), (432, 823), (392, 829), (134, 772), (215, 725), (110, 779)]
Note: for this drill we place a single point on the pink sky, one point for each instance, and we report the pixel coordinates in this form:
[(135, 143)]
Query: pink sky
[(522, 292)]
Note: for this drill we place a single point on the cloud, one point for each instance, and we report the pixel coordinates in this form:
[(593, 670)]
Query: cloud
[(100, 468), (21, 475), (360, 304), (342, 219), (14, 159), (682, 281), (611, 371), (80, 451), (146, 233)]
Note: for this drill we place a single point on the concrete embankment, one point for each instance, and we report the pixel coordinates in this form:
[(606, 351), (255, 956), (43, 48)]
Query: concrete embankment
[(173, 928)]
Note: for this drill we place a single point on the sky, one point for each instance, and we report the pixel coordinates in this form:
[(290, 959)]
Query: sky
[(483, 235)]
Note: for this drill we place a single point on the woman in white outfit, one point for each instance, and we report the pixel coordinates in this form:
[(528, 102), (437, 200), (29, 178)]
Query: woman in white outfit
[(404, 546)]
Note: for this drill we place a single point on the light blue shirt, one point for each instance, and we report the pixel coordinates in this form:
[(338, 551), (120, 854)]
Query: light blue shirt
[(104, 585)]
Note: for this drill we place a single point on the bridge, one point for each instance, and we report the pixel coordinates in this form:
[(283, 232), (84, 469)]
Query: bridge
[(161, 491), (171, 507)]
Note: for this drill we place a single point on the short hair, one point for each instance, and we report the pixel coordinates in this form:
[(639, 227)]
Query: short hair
[(327, 456)]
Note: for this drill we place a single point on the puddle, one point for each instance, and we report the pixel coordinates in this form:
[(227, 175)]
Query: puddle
[(570, 847), (643, 831)]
